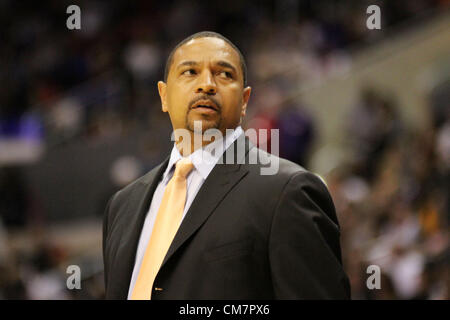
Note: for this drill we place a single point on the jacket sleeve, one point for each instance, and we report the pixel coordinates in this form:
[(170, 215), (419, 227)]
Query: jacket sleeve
[(104, 240), (304, 249)]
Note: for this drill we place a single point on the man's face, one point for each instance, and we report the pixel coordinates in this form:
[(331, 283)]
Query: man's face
[(205, 83)]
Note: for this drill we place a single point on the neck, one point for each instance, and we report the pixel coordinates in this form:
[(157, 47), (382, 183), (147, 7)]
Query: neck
[(194, 141), (189, 146)]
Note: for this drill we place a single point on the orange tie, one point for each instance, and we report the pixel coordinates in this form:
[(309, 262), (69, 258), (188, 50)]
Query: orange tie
[(166, 225)]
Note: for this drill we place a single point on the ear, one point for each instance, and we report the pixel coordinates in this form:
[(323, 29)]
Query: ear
[(245, 98), (162, 89)]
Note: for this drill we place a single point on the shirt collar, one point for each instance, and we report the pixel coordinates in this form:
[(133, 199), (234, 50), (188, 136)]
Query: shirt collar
[(204, 159)]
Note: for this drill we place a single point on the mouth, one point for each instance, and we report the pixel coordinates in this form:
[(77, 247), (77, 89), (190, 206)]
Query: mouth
[(204, 105)]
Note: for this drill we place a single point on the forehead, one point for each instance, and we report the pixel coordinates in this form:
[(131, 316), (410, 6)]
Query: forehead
[(206, 49)]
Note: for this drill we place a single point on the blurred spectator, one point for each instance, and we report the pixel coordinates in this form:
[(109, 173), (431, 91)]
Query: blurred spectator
[(373, 126), (95, 89), (264, 119), (14, 198), (296, 133)]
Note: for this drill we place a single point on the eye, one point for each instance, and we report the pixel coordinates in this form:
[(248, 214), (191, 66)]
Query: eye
[(189, 72), (226, 74)]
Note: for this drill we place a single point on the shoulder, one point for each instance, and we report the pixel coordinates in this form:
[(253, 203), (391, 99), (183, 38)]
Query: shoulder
[(273, 169), (137, 187), (273, 177)]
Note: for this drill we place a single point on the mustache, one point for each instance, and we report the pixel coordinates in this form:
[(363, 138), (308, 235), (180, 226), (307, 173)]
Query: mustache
[(213, 100)]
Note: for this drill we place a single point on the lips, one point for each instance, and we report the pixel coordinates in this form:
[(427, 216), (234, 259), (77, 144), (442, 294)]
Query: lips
[(206, 104)]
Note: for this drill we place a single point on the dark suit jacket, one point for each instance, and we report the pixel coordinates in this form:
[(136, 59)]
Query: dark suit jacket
[(245, 236)]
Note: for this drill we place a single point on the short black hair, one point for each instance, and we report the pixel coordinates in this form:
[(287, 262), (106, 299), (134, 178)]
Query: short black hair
[(206, 34)]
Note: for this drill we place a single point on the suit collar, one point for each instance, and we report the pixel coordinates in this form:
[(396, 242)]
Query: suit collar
[(220, 181), (132, 223), (233, 156), (204, 159)]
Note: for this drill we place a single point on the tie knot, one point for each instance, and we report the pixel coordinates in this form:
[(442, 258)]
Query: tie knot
[(183, 167)]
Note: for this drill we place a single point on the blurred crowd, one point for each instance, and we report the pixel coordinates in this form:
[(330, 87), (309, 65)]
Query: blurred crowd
[(62, 87), (392, 199)]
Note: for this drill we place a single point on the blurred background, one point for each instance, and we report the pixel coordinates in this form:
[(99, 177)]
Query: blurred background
[(368, 110)]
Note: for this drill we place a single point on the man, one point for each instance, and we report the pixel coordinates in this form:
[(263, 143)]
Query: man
[(197, 229)]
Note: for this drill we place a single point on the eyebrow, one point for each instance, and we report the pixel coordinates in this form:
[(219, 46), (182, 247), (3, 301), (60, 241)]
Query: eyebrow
[(220, 63), (226, 65), (187, 63)]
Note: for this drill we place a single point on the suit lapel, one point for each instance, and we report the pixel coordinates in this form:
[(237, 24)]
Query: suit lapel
[(219, 182), (136, 211)]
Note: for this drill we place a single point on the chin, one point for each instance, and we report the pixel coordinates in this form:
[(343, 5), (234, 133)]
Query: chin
[(206, 125)]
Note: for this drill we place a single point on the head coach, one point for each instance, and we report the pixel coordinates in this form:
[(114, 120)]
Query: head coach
[(196, 229)]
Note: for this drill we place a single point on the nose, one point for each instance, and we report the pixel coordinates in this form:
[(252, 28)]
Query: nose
[(207, 84)]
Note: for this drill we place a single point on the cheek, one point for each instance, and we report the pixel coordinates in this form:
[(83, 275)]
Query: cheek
[(177, 103), (232, 92), (177, 115), (234, 104)]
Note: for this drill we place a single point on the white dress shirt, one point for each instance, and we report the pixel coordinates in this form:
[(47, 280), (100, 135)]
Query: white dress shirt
[(204, 162)]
